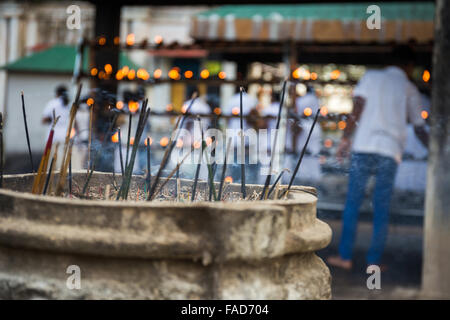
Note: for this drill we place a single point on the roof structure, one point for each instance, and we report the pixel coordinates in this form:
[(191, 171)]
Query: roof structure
[(343, 22), (58, 59)]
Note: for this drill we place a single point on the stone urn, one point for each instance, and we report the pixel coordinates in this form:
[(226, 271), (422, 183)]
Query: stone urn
[(72, 248)]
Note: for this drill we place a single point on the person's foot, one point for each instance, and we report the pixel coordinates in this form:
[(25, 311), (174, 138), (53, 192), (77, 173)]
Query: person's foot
[(337, 261)]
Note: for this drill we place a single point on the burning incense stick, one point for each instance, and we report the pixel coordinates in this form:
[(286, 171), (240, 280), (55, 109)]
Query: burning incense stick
[(301, 155), (274, 149), (241, 117), (38, 182), (224, 169), (172, 143), (26, 131), (64, 161), (120, 152)]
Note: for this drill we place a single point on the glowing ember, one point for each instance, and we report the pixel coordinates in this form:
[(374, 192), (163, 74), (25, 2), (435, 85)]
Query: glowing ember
[(228, 179), (90, 102), (188, 74)]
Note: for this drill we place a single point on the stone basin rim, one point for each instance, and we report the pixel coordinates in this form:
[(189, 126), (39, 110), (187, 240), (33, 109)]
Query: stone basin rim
[(302, 197)]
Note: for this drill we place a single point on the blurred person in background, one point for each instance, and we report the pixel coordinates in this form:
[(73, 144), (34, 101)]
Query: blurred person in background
[(383, 101), (60, 106)]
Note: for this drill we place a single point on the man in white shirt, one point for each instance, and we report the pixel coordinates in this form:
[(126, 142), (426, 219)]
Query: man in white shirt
[(384, 101)]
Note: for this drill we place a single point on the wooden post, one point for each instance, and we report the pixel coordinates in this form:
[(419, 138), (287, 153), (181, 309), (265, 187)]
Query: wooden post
[(436, 261)]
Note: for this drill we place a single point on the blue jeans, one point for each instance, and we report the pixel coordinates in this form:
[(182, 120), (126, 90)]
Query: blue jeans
[(363, 165)]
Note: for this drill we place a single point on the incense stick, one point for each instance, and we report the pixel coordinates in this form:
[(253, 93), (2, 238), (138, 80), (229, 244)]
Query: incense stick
[(120, 152), (172, 143), (91, 115), (274, 150), (98, 153), (143, 117), (52, 171), (241, 117), (70, 174), (224, 169), (301, 155), (64, 162), (172, 173), (26, 131), (276, 182), (149, 167), (130, 119)]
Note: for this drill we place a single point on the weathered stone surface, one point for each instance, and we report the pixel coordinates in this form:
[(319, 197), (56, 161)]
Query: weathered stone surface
[(161, 249)]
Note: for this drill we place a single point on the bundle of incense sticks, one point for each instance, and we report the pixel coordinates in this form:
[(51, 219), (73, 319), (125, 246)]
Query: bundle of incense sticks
[(126, 180), (65, 155), (26, 131), (38, 183), (172, 143), (274, 149), (301, 156)]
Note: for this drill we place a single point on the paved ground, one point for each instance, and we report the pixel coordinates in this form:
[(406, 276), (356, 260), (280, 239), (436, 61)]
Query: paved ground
[(403, 256)]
